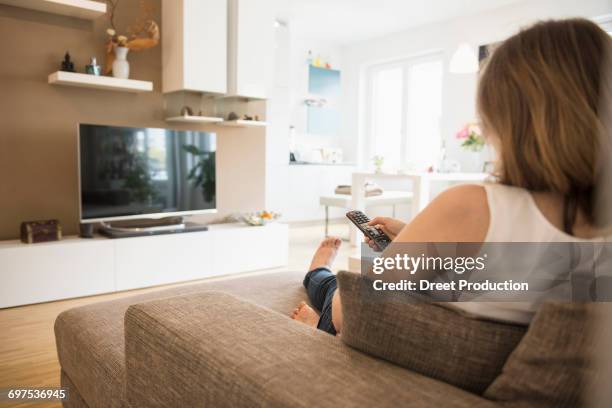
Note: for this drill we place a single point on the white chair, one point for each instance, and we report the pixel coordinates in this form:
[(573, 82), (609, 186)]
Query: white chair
[(392, 198)]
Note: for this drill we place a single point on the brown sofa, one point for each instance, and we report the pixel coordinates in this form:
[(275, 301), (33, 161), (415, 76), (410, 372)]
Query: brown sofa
[(230, 344)]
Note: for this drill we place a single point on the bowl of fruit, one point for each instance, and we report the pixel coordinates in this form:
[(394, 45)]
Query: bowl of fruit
[(260, 218)]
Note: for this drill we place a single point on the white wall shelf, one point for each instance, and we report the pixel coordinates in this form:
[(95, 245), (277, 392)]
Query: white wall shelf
[(99, 82), (84, 9), (243, 123), (194, 119)]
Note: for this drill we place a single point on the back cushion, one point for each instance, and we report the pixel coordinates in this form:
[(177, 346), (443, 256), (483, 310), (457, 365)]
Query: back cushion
[(427, 338), (551, 366)]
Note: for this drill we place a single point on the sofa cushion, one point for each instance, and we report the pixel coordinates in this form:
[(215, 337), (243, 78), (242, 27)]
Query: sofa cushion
[(551, 366), (182, 352), (90, 339), (425, 337)]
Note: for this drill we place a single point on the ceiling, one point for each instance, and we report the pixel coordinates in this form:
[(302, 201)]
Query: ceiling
[(340, 22)]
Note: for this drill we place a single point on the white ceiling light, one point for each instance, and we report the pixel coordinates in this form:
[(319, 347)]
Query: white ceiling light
[(464, 60)]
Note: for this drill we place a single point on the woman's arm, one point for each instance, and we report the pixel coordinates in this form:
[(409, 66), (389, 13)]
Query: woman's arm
[(459, 214)]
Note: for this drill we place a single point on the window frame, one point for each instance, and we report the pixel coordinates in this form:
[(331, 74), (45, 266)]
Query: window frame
[(405, 63)]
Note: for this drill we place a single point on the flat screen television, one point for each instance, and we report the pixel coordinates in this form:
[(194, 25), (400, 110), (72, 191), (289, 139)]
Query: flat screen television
[(129, 173)]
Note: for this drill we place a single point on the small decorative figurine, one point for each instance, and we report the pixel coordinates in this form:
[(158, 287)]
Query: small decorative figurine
[(67, 64), (232, 116), (186, 111), (93, 68)]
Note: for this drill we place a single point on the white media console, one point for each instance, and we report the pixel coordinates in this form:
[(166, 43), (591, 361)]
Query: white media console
[(74, 267)]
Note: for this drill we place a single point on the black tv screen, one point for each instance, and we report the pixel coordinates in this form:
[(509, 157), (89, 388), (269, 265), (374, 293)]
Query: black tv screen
[(130, 172)]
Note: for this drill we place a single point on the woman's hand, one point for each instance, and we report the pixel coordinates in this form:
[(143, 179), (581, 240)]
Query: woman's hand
[(389, 226)]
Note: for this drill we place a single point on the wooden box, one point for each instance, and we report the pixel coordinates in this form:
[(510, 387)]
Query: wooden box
[(40, 231)]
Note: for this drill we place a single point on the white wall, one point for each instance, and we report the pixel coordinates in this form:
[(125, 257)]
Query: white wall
[(294, 190), (278, 117), (459, 89), (299, 91)]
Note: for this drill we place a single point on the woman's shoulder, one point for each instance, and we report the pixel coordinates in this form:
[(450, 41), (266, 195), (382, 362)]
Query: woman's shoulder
[(463, 204), (464, 199), (458, 214)]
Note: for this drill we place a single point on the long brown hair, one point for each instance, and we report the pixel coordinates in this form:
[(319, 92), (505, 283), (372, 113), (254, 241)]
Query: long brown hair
[(539, 94)]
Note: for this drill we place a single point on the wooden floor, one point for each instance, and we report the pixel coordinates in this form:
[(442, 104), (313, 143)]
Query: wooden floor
[(28, 356)]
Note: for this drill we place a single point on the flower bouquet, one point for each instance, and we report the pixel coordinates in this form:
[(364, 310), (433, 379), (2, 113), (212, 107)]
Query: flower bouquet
[(471, 136), (142, 35)]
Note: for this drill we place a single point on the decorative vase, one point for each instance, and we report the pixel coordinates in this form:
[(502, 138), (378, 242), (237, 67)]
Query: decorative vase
[(476, 161), (121, 67)]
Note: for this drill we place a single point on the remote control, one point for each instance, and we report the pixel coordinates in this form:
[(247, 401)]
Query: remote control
[(375, 234)]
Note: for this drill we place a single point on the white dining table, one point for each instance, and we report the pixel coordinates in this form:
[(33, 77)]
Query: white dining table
[(421, 189)]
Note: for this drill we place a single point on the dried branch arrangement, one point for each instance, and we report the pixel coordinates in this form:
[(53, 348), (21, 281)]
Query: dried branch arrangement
[(141, 35)]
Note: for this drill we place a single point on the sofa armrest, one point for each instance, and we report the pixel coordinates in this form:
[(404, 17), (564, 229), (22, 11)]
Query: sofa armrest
[(211, 349)]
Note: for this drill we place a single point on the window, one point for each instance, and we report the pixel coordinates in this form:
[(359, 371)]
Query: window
[(404, 109), (605, 22)]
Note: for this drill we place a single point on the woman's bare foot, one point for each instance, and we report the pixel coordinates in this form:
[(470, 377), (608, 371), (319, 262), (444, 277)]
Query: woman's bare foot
[(326, 253), (305, 314)]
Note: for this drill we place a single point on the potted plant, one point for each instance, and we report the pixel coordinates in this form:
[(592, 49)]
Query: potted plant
[(378, 162)]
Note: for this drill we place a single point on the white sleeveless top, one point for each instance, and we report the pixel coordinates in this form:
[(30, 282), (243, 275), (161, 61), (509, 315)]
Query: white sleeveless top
[(515, 217)]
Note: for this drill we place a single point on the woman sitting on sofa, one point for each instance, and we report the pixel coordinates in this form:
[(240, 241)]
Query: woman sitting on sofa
[(539, 100)]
